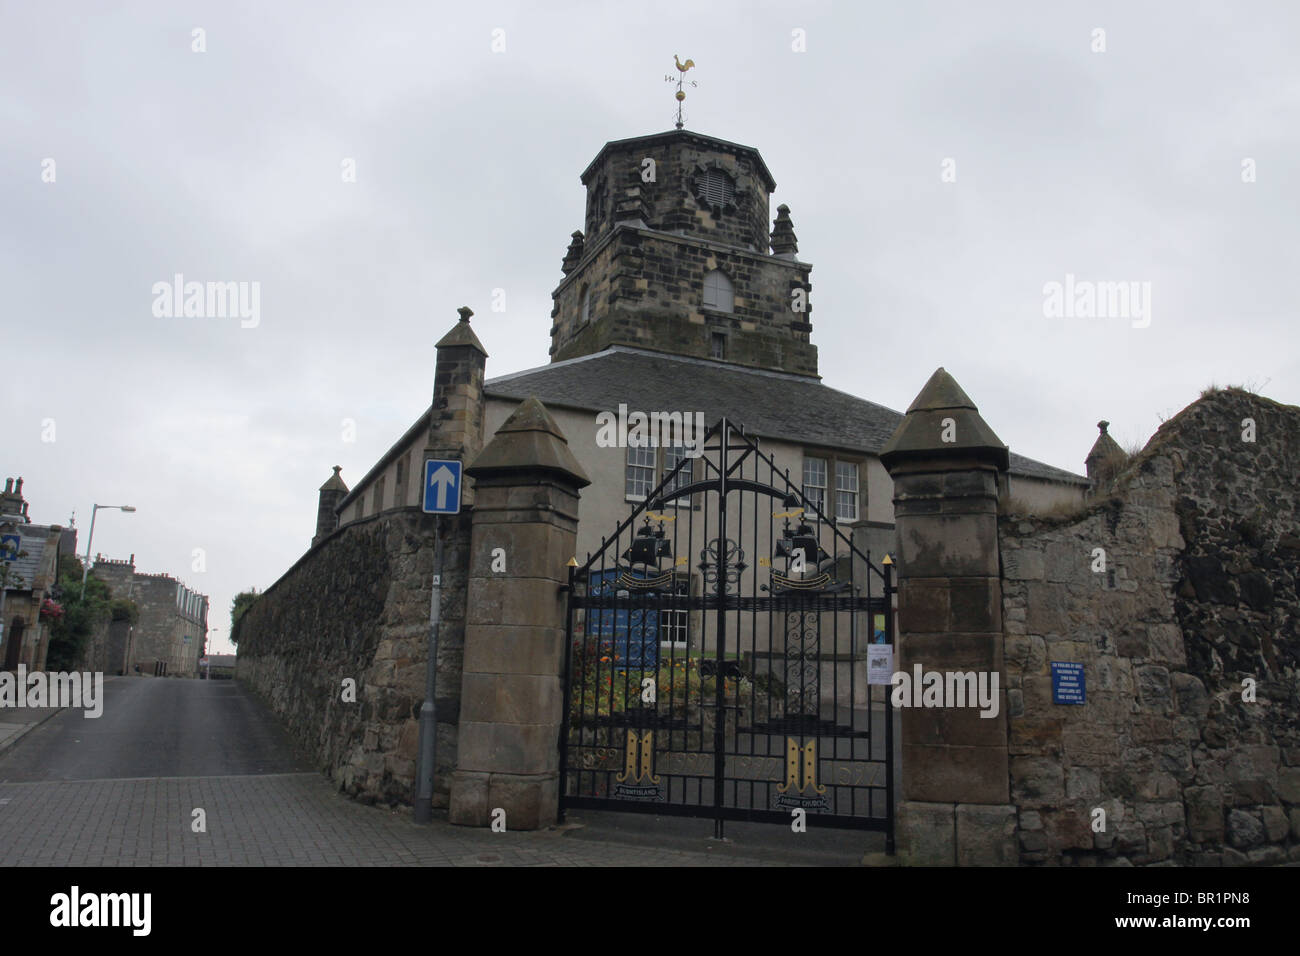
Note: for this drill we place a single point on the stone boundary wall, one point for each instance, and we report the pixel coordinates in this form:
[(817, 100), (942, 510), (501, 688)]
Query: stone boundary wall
[(94, 655), (357, 606), (1199, 594), (106, 649)]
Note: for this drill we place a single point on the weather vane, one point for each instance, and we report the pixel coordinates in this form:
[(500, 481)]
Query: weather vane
[(680, 80)]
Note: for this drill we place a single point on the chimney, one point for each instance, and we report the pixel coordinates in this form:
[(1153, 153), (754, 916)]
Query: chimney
[(11, 502)]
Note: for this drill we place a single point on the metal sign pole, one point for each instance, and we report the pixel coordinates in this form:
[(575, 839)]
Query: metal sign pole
[(428, 721)]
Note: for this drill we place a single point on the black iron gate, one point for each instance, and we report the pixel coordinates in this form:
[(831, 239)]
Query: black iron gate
[(718, 653)]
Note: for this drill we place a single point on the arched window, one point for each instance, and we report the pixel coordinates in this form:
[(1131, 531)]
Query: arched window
[(586, 304), (718, 293)]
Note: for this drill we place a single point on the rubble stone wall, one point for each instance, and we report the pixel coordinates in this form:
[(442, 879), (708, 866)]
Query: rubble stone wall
[(1197, 599), (357, 606)]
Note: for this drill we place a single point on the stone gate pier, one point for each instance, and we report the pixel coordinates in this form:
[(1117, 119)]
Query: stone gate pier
[(512, 693), (945, 463)]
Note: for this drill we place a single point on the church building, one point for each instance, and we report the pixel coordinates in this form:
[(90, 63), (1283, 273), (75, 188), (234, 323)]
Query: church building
[(677, 299)]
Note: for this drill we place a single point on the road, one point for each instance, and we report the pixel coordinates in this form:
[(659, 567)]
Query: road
[(156, 728), (122, 790)]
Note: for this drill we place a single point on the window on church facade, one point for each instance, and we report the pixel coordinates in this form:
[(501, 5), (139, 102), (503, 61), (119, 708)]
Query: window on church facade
[(673, 455), (586, 304), (718, 346), (641, 478), (718, 292), (646, 467), (814, 481), (815, 473), (674, 625), (846, 491)]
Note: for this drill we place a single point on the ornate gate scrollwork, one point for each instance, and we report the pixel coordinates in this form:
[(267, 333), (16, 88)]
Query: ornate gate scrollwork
[(730, 689)]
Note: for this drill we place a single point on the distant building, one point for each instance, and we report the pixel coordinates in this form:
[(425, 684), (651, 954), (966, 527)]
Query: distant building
[(30, 575), (168, 637), (218, 667)]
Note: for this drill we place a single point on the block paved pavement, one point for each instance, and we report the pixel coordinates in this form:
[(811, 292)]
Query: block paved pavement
[(283, 819), (119, 790)]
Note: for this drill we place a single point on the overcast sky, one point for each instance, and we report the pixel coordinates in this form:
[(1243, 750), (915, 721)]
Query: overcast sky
[(226, 165)]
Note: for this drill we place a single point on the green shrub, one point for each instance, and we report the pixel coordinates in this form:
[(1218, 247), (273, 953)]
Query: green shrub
[(82, 613)]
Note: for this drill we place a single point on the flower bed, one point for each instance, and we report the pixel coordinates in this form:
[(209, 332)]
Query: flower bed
[(603, 687)]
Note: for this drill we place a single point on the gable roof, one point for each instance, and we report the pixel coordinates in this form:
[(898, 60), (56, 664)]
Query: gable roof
[(796, 408)]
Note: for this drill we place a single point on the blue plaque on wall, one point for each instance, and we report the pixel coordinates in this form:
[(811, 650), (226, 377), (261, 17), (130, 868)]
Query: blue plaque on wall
[(1068, 683)]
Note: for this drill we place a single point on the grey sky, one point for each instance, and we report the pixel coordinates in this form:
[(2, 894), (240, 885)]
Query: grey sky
[(225, 166)]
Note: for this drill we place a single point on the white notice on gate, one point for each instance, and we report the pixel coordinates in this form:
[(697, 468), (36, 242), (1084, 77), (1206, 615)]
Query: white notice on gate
[(880, 663)]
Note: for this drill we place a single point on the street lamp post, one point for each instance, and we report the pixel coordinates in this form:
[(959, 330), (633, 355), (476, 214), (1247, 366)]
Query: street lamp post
[(91, 537)]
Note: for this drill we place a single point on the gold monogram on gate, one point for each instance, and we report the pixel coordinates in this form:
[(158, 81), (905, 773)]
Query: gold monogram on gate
[(800, 768), (640, 751)]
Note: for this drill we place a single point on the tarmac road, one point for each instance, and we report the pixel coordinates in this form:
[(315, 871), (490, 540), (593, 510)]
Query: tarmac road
[(156, 727)]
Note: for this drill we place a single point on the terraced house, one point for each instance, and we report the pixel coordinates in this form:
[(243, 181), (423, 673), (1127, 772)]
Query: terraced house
[(167, 640)]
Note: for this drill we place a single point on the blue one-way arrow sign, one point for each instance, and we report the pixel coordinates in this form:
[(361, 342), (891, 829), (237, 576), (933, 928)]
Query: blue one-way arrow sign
[(441, 487)]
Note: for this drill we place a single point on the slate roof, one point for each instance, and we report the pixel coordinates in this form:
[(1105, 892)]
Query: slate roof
[(769, 404)]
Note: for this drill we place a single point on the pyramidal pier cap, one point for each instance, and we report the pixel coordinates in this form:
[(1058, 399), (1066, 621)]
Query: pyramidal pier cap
[(943, 423), (529, 440)]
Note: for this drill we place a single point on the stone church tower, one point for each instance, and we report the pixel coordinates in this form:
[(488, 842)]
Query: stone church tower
[(677, 256)]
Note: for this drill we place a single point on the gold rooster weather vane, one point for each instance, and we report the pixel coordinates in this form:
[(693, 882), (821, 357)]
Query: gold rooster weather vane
[(680, 80)]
